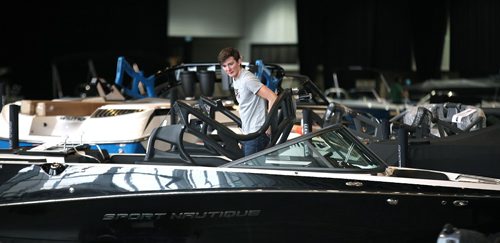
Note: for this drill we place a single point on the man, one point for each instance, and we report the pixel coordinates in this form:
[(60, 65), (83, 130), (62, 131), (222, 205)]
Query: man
[(251, 95)]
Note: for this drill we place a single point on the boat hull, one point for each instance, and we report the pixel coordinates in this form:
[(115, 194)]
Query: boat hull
[(197, 204), (241, 217)]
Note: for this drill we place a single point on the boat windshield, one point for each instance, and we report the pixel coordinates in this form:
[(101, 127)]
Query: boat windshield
[(335, 149)]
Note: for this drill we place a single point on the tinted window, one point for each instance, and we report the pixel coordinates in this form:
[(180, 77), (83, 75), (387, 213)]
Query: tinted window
[(328, 150)]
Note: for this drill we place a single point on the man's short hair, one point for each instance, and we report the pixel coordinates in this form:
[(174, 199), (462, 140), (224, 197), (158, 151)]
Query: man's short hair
[(228, 52)]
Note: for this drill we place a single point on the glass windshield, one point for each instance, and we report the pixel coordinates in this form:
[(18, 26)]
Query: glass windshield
[(335, 149)]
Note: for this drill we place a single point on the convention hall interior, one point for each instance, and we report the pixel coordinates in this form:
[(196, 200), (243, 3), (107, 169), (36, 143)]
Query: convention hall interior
[(417, 40)]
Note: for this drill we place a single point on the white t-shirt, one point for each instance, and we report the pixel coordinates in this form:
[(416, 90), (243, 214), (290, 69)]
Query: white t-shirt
[(252, 108)]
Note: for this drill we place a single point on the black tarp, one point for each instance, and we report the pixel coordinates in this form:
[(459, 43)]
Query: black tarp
[(475, 153)]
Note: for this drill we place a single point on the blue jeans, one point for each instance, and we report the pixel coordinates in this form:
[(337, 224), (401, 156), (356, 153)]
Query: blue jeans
[(255, 145)]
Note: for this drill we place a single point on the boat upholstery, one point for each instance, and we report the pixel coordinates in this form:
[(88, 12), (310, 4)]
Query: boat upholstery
[(59, 108)]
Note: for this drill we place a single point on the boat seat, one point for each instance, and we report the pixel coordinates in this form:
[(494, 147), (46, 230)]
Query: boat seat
[(440, 120), (173, 135), (458, 118), (60, 108), (180, 151), (418, 121)]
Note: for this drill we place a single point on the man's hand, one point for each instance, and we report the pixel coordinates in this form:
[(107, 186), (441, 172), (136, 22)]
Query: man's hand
[(268, 132)]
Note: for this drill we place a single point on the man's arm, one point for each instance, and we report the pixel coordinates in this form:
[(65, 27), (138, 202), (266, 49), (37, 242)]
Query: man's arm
[(267, 94)]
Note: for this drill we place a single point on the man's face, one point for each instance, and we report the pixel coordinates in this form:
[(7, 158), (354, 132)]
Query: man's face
[(231, 67)]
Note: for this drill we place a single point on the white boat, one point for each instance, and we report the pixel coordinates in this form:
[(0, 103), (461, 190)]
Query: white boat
[(118, 127)]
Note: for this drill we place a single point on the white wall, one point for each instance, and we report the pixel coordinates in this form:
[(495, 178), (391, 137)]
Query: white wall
[(235, 21), (269, 22), (199, 18)]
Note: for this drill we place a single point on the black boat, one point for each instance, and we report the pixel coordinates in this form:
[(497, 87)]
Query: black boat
[(451, 137), (447, 136), (325, 186)]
